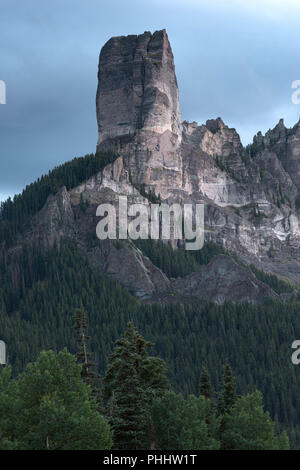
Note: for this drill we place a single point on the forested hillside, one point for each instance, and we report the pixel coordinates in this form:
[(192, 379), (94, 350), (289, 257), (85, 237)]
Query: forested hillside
[(55, 405), (40, 292), (16, 213)]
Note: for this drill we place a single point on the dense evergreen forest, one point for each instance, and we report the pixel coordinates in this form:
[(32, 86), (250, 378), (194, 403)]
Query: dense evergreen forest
[(55, 405), (40, 292)]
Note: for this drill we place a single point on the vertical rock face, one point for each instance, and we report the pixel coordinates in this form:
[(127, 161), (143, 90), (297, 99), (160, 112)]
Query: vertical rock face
[(138, 108), (137, 87), (251, 195)]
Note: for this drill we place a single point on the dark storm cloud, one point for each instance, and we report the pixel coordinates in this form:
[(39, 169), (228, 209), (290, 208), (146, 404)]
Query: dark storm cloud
[(231, 61)]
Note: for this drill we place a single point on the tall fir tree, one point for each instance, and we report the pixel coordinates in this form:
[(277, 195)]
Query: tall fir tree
[(132, 380), (207, 393), (83, 355), (228, 394), (227, 400), (205, 385)]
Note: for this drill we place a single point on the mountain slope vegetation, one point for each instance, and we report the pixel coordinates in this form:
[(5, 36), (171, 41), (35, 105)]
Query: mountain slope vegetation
[(40, 292)]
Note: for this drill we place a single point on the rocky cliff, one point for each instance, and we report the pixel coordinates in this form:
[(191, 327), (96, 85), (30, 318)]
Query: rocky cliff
[(251, 194), (137, 89), (138, 108)]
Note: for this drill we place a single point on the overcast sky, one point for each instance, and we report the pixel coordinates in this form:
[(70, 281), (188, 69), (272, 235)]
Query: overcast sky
[(234, 58)]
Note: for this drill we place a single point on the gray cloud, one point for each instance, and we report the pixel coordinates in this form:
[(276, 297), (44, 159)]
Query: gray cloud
[(230, 62)]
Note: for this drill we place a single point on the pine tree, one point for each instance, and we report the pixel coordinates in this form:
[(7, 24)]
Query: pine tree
[(227, 400), (124, 394), (132, 380), (83, 355), (228, 395), (206, 391), (205, 385)]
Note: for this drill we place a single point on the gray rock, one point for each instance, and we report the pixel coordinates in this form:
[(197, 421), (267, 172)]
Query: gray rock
[(251, 195), (223, 280), (138, 107)]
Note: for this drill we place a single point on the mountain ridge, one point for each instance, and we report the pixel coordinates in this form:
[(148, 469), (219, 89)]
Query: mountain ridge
[(250, 193)]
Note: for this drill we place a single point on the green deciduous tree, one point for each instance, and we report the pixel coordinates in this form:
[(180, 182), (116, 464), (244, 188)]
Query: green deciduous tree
[(248, 427), (181, 424), (49, 407)]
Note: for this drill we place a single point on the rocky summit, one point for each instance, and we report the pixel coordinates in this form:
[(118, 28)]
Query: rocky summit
[(138, 108), (251, 194)]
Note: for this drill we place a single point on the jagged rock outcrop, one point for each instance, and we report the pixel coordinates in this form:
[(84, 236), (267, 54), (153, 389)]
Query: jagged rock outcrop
[(251, 194), (223, 280)]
